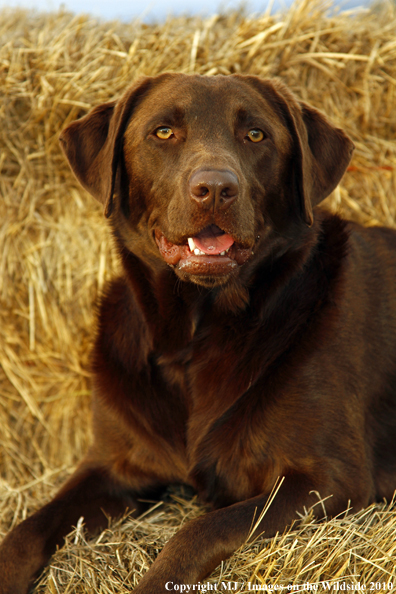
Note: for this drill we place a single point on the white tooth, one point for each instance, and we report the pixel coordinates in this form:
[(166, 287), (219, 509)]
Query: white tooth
[(197, 252), (222, 253), (191, 244)]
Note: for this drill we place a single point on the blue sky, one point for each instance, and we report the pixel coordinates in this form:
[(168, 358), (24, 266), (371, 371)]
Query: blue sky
[(149, 9), (127, 9)]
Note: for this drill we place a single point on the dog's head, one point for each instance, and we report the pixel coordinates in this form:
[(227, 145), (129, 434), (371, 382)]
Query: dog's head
[(202, 173)]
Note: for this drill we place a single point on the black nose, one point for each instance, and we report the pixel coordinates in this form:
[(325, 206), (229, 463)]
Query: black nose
[(213, 189)]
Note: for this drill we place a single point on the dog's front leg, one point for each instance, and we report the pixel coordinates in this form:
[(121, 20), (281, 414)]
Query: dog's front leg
[(194, 552), (91, 493)]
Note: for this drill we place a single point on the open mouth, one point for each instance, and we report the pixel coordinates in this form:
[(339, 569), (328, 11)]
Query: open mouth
[(212, 252), (211, 241)]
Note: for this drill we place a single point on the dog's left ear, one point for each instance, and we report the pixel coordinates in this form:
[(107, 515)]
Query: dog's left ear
[(324, 154), (93, 144), (321, 152)]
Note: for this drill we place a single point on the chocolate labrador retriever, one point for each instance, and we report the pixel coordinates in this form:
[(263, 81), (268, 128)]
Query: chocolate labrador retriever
[(251, 335)]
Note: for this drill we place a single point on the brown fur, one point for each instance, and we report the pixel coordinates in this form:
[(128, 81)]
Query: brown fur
[(225, 373)]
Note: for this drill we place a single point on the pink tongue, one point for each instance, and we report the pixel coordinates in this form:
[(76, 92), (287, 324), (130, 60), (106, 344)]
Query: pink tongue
[(212, 240)]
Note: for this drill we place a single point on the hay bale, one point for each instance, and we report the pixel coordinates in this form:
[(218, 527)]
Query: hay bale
[(56, 254)]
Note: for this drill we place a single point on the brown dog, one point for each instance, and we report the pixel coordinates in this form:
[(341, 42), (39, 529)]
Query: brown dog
[(251, 336)]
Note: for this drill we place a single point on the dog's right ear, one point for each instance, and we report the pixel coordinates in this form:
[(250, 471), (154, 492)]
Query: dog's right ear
[(93, 144)]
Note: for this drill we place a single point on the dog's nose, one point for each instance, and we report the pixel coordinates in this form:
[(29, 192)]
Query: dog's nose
[(214, 189)]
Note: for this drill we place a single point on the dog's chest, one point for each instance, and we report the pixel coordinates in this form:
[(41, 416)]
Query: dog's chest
[(218, 376)]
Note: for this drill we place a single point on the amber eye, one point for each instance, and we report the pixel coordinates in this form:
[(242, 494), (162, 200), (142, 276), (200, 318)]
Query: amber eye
[(255, 135), (164, 132)]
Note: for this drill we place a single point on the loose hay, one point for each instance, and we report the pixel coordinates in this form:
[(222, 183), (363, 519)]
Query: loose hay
[(56, 254)]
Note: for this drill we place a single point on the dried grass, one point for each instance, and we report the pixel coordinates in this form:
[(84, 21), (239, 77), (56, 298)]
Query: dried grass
[(55, 255)]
